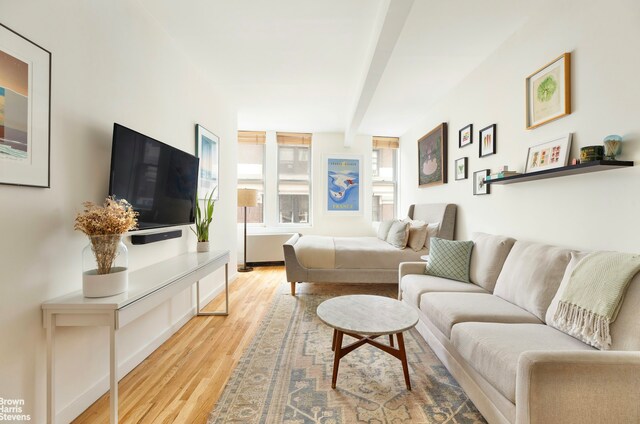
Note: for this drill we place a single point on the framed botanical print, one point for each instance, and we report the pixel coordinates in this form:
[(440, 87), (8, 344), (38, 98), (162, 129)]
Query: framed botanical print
[(548, 93), (208, 150), (432, 157), (479, 187), (465, 136), (549, 155), (488, 140), (25, 102), (343, 195), (461, 169)]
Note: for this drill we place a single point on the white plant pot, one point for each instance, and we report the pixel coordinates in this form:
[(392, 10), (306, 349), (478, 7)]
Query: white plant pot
[(95, 285), (203, 246)]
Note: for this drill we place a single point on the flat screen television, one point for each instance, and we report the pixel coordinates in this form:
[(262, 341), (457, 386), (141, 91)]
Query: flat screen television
[(158, 180)]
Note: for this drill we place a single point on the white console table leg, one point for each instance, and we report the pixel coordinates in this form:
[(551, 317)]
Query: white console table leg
[(226, 296), (113, 375), (51, 381)]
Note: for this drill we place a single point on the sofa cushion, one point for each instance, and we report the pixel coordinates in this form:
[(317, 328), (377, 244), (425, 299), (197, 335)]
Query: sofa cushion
[(531, 275), (450, 259), (487, 258), (417, 237), (414, 285), (398, 234), (383, 229), (493, 349), (445, 310), (625, 330)]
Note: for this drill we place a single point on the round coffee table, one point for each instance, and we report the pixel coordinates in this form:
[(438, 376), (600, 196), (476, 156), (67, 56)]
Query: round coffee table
[(365, 318)]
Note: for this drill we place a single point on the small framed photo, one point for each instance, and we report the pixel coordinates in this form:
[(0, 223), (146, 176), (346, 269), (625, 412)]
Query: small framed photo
[(461, 169), (549, 92), (488, 140), (465, 136), (479, 187), (549, 155), (208, 150)]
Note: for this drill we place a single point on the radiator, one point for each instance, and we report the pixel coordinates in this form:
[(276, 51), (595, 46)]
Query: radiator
[(266, 247)]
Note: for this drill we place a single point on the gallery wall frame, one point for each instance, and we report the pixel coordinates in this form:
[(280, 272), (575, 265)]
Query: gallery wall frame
[(488, 140), (462, 169), (25, 116), (343, 179), (465, 136), (432, 157), (548, 92), (208, 150), (479, 186)]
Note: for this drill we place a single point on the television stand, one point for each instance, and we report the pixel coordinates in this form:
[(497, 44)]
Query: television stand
[(148, 288)]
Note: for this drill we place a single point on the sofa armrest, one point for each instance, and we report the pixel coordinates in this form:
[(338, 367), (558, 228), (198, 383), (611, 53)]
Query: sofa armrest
[(294, 270), (411, 268), (578, 387)]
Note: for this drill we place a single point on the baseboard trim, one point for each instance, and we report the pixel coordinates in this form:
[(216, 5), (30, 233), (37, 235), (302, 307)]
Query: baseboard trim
[(86, 399)]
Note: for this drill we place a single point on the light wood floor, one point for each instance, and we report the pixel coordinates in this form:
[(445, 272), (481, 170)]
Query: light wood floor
[(181, 381)]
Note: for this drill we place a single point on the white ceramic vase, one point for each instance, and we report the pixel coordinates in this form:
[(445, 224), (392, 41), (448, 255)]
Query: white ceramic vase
[(203, 246)]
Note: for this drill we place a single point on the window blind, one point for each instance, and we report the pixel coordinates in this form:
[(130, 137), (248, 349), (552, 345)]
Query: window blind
[(295, 139), (386, 142), (252, 137)]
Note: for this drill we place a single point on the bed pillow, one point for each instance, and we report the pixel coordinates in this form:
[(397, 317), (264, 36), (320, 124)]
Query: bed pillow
[(383, 229), (450, 259), (417, 237), (398, 234)]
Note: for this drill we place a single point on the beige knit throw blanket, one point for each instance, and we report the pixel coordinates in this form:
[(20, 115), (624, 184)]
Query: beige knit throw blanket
[(592, 298)]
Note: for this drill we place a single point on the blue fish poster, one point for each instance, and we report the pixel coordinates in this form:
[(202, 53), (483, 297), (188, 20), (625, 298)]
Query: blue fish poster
[(343, 188)]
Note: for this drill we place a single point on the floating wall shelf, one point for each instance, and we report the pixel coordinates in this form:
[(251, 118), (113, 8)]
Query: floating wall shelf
[(583, 168)]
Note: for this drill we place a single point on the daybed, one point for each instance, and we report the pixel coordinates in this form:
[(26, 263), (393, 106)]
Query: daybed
[(323, 259), (497, 336)]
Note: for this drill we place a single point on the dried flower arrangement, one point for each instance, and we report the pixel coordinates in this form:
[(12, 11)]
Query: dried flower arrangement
[(105, 225)]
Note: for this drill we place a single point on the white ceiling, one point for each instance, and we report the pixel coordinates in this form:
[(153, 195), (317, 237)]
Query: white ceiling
[(299, 65)]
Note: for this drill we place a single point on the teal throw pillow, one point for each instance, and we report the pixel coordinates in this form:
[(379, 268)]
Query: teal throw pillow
[(450, 259)]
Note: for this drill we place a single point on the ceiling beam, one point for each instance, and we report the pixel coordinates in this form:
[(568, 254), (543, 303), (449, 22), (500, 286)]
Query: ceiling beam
[(391, 19)]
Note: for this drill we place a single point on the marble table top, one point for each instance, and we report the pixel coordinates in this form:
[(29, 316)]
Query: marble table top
[(367, 315)]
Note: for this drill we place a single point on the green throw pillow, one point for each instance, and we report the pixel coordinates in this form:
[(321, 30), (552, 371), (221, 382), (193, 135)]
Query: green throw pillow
[(450, 259)]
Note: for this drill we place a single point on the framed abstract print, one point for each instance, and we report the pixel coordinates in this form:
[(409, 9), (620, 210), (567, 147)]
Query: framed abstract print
[(488, 140), (465, 136), (208, 150), (548, 93), (432, 157)]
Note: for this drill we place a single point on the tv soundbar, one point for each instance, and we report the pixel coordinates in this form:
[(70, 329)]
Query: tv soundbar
[(154, 237)]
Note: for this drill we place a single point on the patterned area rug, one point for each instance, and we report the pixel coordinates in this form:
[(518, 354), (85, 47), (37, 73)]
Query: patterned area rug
[(285, 377)]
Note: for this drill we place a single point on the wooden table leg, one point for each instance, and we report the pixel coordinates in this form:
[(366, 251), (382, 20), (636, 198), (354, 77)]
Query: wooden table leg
[(403, 358), (333, 343), (336, 358), (391, 340)]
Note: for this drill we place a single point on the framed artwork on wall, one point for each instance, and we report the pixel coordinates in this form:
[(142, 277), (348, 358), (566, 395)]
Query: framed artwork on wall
[(343, 195), (479, 187), (465, 136), (548, 95), (432, 157), (488, 140), (461, 169), (549, 155), (25, 103), (208, 150)]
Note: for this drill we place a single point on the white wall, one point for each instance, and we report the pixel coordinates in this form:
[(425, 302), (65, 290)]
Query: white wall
[(592, 211), (111, 62)]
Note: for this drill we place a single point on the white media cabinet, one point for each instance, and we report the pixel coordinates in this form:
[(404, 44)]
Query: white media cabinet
[(148, 288)]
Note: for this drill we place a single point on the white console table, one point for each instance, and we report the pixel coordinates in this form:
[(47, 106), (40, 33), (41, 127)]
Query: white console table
[(148, 288)]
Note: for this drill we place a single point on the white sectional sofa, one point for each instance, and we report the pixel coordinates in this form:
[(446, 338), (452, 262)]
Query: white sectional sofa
[(495, 337)]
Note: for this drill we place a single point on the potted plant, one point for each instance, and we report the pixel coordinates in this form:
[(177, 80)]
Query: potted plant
[(204, 216), (104, 260)]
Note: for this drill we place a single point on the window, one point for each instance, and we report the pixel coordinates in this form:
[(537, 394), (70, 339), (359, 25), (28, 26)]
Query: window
[(384, 160), (294, 178), (251, 153)]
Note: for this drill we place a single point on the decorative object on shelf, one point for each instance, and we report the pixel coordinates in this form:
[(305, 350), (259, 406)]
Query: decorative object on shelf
[(591, 153), (432, 157), (343, 195), (247, 198), (479, 186), (488, 140), (549, 92), (104, 260), (204, 217), (465, 136), (548, 155), (581, 168), (25, 97), (612, 146), (461, 169), (500, 175), (207, 149)]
